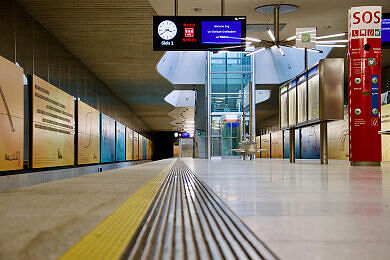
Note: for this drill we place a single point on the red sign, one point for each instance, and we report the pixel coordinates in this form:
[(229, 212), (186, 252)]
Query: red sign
[(364, 87), (189, 32)]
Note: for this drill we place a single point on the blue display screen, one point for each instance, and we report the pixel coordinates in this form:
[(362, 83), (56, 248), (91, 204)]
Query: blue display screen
[(221, 32), (185, 135), (386, 30)]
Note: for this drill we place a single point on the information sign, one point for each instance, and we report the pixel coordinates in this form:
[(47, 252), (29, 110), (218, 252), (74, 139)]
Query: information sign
[(198, 33)]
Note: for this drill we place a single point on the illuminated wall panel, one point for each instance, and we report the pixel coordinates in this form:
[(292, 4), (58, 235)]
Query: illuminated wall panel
[(284, 110), (258, 146), (302, 98), (120, 142), (310, 141), (136, 146), (52, 125), (286, 144), (129, 144), (88, 134), (11, 116), (140, 147), (107, 139), (265, 144), (292, 109), (314, 97), (277, 144)]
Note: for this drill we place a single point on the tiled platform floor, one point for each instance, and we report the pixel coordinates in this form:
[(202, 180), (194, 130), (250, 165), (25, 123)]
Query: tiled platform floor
[(307, 210)]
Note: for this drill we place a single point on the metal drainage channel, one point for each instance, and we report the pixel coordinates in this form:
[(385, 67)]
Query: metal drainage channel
[(189, 221)]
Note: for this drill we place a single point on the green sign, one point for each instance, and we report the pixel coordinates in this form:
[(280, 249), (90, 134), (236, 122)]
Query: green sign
[(371, 61), (305, 37)]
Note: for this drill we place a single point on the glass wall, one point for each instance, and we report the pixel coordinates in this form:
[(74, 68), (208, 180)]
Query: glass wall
[(229, 81)]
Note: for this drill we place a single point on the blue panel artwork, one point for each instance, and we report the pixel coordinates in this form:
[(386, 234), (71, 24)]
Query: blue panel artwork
[(107, 139), (310, 142), (120, 142), (286, 144), (298, 143), (144, 148)]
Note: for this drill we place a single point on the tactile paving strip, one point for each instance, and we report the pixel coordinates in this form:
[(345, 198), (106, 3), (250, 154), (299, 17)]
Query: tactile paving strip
[(189, 221)]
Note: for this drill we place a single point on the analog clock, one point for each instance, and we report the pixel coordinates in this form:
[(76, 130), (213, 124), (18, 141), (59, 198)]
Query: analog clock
[(167, 30)]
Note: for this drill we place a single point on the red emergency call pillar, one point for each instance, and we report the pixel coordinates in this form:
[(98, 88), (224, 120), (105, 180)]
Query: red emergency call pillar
[(364, 85)]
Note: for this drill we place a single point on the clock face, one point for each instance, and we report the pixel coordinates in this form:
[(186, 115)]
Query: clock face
[(167, 30)]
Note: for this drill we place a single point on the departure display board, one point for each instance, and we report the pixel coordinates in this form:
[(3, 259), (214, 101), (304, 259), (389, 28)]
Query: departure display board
[(120, 142), (198, 32), (52, 125), (129, 144), (314, 94), (88, 134), (107, 139), (11, 116), (385, 29)]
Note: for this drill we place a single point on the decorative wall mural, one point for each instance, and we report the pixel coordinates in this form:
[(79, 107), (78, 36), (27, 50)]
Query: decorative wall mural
[(314, 97), (53, 125), (107, 139), (140, 147), (88, 134), (136, 146), (11, 116), (265, 144), (286, 144), (277, 144), (129, 144), (120, 142), (310, 141)]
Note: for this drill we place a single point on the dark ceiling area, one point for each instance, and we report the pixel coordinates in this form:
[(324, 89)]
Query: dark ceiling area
[(114, 40)]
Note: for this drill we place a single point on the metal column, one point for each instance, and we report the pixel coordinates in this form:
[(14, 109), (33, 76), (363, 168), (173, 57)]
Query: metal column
[(324, 142), (292, 145)]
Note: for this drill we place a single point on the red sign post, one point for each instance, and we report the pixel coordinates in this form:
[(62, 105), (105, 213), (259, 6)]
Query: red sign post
[(364, 84)]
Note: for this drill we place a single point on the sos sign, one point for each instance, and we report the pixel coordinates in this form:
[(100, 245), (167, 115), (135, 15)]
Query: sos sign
[(365, 19)]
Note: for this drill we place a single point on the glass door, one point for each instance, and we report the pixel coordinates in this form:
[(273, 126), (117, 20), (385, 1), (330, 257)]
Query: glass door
[(230, 136), (216, 145)]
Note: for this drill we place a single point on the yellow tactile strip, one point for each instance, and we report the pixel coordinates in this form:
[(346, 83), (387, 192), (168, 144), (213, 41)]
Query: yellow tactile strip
[(111, 237)]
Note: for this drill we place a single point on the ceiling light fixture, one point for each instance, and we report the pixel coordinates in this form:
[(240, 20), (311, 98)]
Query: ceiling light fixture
[(331, 45), (312, 50), (252, 39), (330, 36), (254, 52), (280, 50), (331, 41), (271, 34), (291, 38)]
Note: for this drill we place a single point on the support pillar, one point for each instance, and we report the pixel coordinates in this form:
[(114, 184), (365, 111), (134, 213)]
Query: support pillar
[(292, 145), (324, 142)]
